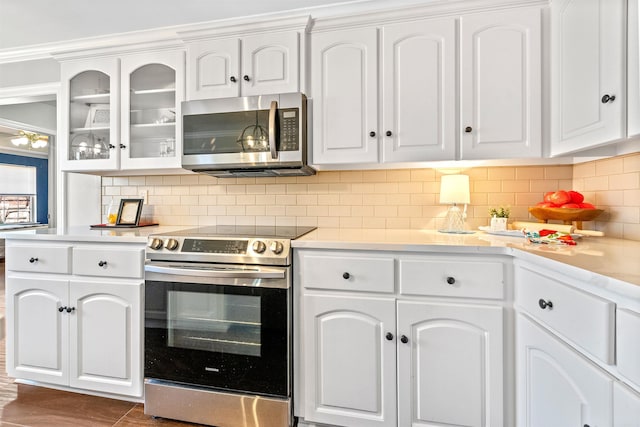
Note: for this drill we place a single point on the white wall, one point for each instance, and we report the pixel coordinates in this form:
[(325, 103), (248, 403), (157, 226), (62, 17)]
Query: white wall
[(82, 199)]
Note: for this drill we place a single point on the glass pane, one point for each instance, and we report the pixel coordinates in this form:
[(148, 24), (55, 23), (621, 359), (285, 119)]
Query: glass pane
[(16, 209), (236, 132), (152, 129), (223, 323), (89, 116)]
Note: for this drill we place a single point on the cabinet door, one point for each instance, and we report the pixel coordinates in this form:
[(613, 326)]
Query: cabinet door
[(152, 92), (419, 91), (37, 331), (270, 64), (626, 406), (344, 78), (587, 60), (213, 69), (90, 126), (556, 386), (450, 369), (349, 363), (501, 87), (633, 64), (105, 329)]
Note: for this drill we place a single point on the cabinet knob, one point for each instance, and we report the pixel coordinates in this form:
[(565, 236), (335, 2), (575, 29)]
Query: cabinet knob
[(372, 134), (246, 78), (102, 263), (32, 260), (346, 275), (545, 304), (233, 79), (123, 146), (389, 133), (61, 309), (111, 146), (404, 339), (608, 98), (70, 309), (468, 129), (389, 336), (451, 280)]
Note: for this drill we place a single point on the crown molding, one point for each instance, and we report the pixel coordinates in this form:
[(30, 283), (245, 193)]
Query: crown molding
[(29, 93)]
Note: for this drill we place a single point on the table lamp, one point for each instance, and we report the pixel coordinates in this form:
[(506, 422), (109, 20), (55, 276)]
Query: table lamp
[(454, 190)]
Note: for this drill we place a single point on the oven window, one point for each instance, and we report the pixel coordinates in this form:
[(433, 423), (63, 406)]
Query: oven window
[(222, 323)]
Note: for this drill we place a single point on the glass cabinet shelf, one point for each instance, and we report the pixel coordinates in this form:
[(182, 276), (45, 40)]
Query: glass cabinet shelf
[(96, 98), (153, 98)]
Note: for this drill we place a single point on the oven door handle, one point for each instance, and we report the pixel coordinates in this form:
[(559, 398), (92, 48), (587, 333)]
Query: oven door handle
[(258, 273)]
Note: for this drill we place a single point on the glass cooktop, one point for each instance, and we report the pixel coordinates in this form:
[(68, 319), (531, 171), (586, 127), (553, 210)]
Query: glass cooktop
[(244, 231)]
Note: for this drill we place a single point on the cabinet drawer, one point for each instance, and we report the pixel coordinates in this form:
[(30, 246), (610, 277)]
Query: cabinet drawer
[(583, 318), (628, 344), (451, 277), (108, 262), (39, 259), (348, 272)]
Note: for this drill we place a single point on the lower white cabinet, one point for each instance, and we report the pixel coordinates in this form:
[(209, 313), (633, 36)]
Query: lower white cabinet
[(626, 407), (556, 386)]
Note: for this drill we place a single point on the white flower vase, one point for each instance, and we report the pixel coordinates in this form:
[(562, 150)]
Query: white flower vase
[(498, 224)]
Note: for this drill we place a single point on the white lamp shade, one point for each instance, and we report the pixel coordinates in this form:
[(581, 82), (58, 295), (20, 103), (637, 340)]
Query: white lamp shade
[(454, 189)]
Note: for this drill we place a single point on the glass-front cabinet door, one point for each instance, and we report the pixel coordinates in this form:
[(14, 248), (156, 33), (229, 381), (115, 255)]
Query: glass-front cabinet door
[(152, 90), (90, 128)]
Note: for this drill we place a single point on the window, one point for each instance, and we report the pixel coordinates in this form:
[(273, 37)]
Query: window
[(17, 194)]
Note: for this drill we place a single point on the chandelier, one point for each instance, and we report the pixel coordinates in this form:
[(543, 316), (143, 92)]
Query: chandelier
[(254, 137), (32, 139)]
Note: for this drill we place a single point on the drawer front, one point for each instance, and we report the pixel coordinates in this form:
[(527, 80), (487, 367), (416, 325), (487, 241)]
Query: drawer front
[(108, 262), (39, 259), (452, 278), (583, 318), (628, 344), (348, 272)]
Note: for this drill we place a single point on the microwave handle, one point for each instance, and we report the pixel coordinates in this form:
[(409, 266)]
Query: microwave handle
[(272, 129)]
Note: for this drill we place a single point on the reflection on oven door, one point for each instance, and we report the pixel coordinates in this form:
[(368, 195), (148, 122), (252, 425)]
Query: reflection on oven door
[(221, 323)]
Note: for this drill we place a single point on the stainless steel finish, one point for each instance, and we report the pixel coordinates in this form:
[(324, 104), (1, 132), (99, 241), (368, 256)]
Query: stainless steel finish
[(155, 243), (214, 273), (276, 247), (272, 129), (197, 405), (171, 244), (259, 246)]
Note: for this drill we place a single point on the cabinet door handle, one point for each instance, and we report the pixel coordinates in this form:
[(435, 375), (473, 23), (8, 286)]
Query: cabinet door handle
[(545, 304), (389, 133), (246, 78), (451, 280), (233, 79), (61, 309), (404, 339), (32, 260), (608, 98), (468, 129), (102, 263), (70, 309), (372, 134), (389, 336), (346, 275)]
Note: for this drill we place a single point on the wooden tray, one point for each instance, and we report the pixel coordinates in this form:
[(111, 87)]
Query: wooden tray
[(567, 216)]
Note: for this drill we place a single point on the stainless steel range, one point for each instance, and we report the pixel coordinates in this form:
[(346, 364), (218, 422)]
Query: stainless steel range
[(218, 319)]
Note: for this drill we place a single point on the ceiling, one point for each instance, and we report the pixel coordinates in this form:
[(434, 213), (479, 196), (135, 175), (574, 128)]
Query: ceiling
[(7, 133)]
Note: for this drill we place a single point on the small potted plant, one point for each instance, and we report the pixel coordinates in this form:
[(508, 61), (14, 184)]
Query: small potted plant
[(499, 217)]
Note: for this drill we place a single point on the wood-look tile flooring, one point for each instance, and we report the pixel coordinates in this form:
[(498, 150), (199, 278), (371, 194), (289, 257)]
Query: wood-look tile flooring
[(25, 405)]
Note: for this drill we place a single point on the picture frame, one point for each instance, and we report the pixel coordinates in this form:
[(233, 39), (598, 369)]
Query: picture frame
[(129, 212), (99, 115)]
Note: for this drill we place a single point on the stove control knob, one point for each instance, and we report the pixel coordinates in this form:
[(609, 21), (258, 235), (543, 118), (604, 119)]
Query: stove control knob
[(171, 244), (259, 246), (155, 244), (276, 247)]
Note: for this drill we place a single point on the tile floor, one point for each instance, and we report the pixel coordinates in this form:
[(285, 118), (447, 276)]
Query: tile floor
[(24, 405)]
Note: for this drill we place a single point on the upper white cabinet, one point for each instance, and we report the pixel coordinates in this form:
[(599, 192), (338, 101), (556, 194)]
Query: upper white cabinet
[(500, 84), (633, 69), (121, 112), (587, 73), (252, 65)]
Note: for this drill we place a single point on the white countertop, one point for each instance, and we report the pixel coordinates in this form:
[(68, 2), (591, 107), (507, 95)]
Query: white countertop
[(86, 234), (614, 258)]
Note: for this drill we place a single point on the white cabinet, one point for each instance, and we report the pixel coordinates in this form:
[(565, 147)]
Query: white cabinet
[(633, 68), (253, 65), (626, 406), (587, 73), (556, 386), (450, 357), (71, 329), (349, 363), (500, 84), (121, 112)]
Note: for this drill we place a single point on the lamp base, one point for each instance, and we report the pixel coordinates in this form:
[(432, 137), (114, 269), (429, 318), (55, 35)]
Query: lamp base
[(454, 221)]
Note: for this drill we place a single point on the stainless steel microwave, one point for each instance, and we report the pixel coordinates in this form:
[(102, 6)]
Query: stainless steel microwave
[(262, 135)]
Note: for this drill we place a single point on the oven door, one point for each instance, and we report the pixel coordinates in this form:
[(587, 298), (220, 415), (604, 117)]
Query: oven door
[(220, 326)]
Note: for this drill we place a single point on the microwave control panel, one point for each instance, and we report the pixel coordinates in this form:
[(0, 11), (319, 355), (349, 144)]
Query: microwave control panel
[(289, 130)]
